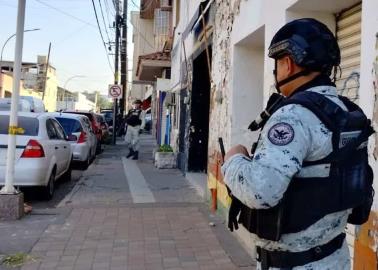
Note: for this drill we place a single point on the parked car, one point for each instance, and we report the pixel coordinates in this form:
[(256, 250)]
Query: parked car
[(108, 114), (81, 136), (96, 127), (23, 105), (43, 153), (104, 127), (35, 103)]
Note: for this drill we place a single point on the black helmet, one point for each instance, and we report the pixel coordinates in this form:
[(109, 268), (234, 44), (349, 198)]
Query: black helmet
[(310, 44), (137, 101)]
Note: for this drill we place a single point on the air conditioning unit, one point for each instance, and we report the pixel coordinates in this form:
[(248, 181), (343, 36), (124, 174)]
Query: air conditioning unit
[(166, 5)]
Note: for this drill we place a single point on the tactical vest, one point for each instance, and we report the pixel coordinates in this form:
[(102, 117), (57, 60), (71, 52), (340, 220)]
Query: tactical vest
[(348, 186), (133, 118)]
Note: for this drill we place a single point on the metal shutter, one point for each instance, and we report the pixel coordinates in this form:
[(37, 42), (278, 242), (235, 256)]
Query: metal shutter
[(348, 32)]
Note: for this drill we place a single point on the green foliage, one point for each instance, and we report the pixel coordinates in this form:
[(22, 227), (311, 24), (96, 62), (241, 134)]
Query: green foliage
[(104, 103), (17, 260), (165, 148)]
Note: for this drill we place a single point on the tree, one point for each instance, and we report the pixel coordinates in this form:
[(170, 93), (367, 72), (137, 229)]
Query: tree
[(103, 103)]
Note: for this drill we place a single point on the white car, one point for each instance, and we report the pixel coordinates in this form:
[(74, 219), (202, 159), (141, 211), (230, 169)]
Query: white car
[(43, 153), (83, 140)]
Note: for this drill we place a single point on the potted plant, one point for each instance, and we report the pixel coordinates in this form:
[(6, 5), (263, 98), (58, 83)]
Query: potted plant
[(165, 158)]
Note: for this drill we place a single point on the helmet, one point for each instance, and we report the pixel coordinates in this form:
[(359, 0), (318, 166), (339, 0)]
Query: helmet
[(310, 44), (137, 101)]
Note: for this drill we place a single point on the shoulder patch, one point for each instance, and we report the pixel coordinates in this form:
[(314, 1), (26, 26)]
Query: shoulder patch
[(281, 134)]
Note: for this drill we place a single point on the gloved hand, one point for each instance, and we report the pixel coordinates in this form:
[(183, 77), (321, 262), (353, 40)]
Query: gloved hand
[(140, 132), (234, 211)]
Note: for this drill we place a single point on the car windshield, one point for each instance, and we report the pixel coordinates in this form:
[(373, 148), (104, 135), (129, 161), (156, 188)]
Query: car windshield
[(69, 125), (28, 124)]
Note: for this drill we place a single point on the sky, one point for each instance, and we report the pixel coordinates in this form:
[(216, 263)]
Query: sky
[(76, 45)]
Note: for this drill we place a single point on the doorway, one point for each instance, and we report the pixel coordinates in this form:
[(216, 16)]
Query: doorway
[(199, 112)]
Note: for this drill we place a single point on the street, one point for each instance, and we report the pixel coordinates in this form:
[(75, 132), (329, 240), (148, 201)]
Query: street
[(122, 214)]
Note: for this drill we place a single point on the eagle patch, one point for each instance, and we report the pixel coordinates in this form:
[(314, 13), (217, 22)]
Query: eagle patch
[(281, 134)]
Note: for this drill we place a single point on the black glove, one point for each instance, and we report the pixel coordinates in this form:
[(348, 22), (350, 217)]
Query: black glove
[(234, 211), (140, 131)]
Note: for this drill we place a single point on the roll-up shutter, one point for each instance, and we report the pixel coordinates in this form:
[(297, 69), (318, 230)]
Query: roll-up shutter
[(348, 34)]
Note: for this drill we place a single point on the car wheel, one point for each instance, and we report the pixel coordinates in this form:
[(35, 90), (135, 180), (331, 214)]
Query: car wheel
[(48, 191)]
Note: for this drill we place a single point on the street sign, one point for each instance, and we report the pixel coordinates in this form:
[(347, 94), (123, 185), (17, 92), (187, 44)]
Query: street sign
[(115, 91)]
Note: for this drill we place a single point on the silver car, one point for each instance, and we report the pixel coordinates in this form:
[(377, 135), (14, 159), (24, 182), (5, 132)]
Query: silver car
[(81, 136)]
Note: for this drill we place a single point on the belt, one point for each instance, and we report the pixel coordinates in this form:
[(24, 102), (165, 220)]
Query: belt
[(286, 259)]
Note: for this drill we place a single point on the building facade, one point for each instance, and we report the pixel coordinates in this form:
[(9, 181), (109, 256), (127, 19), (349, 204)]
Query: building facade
[(36, 77)]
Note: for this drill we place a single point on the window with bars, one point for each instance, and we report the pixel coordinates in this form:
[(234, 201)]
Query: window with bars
[(162, 27)]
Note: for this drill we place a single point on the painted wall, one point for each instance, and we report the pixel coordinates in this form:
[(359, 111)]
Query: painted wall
[(7, 86), (243, 81), (143, 39)]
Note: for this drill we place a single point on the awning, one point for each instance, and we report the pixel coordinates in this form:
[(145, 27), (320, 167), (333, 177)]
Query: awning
[(151, 66), (194, 19)]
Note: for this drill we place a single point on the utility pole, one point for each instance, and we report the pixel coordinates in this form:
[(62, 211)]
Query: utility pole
[(116, 64), (13, 128), (47, 70), (124, 58)]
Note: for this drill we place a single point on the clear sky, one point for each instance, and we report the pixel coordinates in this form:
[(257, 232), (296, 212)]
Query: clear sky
[(70, 26)]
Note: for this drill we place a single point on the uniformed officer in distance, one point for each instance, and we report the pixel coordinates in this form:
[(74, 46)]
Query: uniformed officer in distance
[(289, 190), (135, 124)]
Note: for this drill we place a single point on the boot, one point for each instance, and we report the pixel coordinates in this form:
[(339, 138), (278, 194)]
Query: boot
[(136, 155), (131, 153)]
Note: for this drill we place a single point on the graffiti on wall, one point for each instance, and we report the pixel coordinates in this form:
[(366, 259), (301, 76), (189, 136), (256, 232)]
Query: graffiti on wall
[(351, 86)]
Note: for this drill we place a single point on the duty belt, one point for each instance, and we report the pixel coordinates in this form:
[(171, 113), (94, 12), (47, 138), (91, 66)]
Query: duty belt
[(288, 260)]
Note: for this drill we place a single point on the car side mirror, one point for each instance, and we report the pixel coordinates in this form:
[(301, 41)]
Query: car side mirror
[(71, 138)]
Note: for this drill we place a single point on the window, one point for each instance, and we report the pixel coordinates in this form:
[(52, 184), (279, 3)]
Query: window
[(30, 125), (51, 132), (69, 125), (59, 130)]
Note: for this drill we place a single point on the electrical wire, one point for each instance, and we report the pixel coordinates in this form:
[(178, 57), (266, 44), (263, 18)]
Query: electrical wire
[(102, 37), (65, 13), (103, 20)]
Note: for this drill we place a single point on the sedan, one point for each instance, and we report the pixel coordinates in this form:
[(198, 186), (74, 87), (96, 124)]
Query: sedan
[(43, 153), (81, 136)]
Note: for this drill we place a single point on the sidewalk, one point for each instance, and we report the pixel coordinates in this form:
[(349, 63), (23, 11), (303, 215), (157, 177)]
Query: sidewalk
[(129, 215)]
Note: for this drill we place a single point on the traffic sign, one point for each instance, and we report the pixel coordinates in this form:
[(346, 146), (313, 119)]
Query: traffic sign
[(115, 91)]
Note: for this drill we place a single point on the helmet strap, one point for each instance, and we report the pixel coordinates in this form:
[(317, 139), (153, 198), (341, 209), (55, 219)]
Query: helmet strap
[(289, 79)]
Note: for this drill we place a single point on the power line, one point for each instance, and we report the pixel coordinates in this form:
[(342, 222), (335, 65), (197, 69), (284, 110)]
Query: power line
[(103, 19), (108, 12), (65, 13), (102, 37)]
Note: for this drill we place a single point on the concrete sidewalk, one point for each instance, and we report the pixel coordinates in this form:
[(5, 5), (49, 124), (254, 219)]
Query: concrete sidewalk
[(124, 214)]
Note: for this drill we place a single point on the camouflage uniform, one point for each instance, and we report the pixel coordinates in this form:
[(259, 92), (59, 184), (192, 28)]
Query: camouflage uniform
[(292, 135)]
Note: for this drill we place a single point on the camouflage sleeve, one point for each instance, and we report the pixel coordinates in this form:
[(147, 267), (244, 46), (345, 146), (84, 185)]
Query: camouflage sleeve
[(261, 182)]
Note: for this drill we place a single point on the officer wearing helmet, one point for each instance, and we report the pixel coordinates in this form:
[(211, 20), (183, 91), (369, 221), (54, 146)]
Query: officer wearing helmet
[(294, 194), (135, 124)]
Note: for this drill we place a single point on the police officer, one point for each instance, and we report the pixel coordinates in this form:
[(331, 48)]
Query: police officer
[(135, 124), (280, 186)]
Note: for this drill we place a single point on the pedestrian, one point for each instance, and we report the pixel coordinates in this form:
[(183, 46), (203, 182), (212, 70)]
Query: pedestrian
[(309, 174), (135, 124)]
